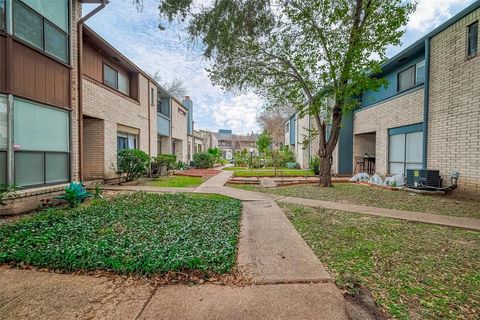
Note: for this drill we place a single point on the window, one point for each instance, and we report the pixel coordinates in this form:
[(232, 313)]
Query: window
[(287, 127), (2, 15), (472, 46), (406, 79), (163, 107), (123, 84), (152, 96), (42, 153), (56, 42), (116, 80), (31, 25), (405, 152), (27, 24), (110, 76), (420, 72), (126, 141)]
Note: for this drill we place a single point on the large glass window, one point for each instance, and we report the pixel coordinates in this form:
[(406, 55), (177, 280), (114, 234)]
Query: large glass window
[(472, 39), (27, 24), (56, 11), (56, 42), (405, 152), (42, 152), (43, 25), (2, 15)]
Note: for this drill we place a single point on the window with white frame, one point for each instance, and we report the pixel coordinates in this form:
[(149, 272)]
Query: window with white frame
[(126, 141), (43, 25), (405, 152)]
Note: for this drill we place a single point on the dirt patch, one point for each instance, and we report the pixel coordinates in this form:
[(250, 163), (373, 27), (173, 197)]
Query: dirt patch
[(361, 306)]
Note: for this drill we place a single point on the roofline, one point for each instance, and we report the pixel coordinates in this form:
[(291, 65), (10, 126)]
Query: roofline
[(420, 42), (97, 37)]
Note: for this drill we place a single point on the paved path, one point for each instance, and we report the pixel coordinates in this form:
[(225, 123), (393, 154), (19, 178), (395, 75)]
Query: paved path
[(448, 221), (289, 282)]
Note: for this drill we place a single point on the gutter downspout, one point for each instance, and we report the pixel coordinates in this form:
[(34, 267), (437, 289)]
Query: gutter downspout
[(149, 125), (426, 96), (80, 84)]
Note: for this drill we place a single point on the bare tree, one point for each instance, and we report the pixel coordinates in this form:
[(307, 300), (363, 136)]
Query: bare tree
[(176, 86), (273, 121)]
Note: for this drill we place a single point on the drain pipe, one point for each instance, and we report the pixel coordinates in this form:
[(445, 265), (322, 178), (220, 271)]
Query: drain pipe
[(80, 83), (426, 97)]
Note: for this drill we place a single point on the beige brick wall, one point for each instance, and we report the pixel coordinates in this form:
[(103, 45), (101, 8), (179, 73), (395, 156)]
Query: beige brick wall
[(179, 131), (454, 106), (403, 110), (114, 109), (76, 15), (94, 144)]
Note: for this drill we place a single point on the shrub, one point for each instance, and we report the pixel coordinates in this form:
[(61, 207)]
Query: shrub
[(74, 194), (315, 165), (216, 153), (133, 163), (166, 160), (203, 160)]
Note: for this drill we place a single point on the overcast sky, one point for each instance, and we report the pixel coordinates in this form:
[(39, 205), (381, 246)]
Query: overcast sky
[(136, 34)]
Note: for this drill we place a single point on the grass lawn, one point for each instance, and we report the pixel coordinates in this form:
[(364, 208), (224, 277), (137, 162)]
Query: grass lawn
[(414, 271), (177, 182), (364, 195), (138, 233)]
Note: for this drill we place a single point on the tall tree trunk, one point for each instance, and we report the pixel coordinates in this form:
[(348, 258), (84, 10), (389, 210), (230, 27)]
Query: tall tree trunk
[(325, 170)]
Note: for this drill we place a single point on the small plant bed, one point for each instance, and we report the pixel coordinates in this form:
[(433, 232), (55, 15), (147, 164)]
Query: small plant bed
[(414, 271), (139, 233), (198, 172), (352, 193), (273, 173), (176, 182)]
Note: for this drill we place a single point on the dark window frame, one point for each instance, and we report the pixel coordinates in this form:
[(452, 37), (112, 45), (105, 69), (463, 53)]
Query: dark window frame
[(414, 78), (469, 28), (127, 75), (44, 21)]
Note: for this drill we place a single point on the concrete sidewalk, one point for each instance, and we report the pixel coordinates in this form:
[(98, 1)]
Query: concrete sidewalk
[(289, 282), (441, 220)]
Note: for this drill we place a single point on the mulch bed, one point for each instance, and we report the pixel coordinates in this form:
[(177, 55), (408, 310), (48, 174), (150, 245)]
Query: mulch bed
[(198, 172)]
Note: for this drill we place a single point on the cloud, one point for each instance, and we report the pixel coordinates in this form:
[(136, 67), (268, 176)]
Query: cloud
[(135, 33), (431, 13)]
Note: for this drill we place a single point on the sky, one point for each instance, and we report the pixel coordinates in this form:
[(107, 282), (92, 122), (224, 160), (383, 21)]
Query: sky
[(135, 33)]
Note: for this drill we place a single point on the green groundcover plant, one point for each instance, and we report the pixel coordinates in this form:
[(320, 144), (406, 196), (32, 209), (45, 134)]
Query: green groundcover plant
[(138, 233)]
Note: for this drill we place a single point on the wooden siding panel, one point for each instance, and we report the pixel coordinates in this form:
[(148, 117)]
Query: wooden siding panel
[(40, 78), (3, 63)]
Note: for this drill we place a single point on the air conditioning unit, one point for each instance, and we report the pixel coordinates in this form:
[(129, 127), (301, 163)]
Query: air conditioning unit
[(421, 178)]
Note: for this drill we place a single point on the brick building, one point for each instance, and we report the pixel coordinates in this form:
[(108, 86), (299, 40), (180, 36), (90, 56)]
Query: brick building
[(427, 117)]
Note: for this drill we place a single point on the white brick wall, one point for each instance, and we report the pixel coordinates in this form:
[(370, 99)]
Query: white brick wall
[(454, 114)]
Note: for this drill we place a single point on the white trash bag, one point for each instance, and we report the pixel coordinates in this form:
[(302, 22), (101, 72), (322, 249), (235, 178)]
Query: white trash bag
[(362, 176), (376, 179), (395, 181)]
